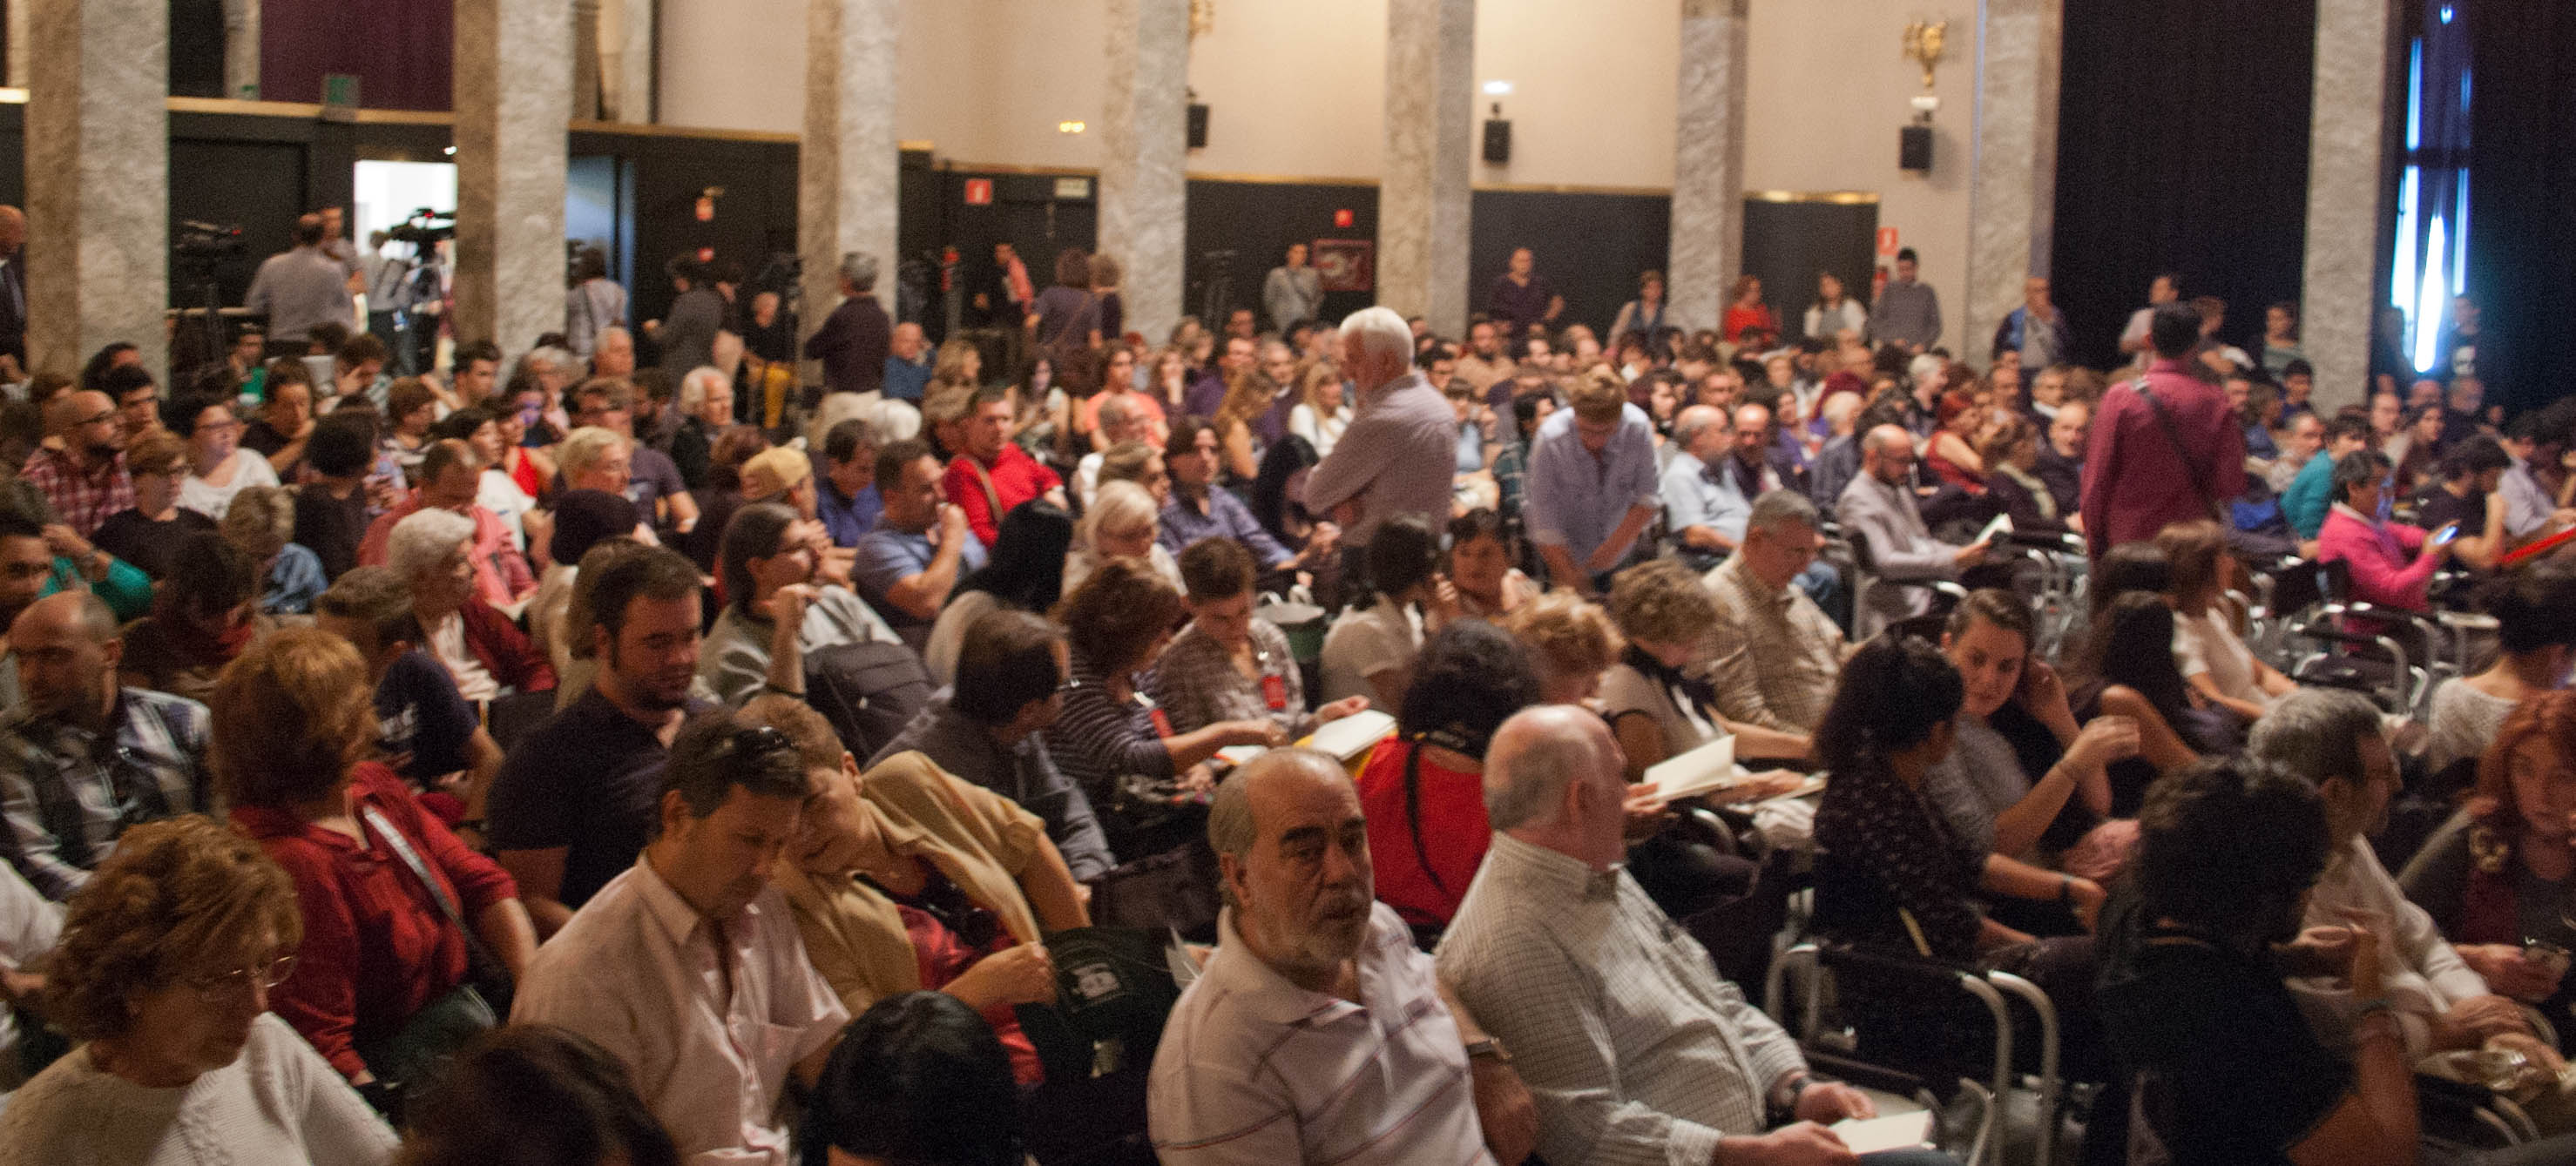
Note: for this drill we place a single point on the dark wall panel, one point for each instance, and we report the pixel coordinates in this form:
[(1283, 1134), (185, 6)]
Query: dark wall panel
[(755, 216), (1788, 243), (2182, 145), (1238, 231), (1590, 245), (2522, 165), (197, 48), (258, 186)]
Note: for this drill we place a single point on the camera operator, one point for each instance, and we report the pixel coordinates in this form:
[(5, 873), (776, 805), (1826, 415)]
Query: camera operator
[(300, 288)]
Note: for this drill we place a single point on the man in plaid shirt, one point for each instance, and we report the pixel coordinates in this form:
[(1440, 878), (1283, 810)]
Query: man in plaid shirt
[(82, 759), (85, 479)]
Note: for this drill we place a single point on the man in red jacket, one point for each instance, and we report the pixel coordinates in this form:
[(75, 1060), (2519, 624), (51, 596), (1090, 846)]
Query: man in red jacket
[(2164, 447), (992, 475)]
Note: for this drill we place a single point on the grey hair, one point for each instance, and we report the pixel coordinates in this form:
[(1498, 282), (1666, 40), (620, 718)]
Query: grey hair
[(1117, 506), (1688, 424), (559, 359), (1531, 761), (2316, 733), (693, 387), (860, 269), (583, 448), (421, 540), (1230, 827), (1115, 411), (1383, 335), (1780, 508)]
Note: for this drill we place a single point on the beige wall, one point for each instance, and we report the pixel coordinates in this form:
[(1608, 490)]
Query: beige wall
[(1296, 90), (1827, 93)]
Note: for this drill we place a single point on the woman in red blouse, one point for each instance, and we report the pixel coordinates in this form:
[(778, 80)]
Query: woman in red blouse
[(1424, 792), (1745, 311), (294, 721)]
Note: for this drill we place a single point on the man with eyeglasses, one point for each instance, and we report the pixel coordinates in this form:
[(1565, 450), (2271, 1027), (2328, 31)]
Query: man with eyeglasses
[(688, 968), (81, 758), (85, 479)]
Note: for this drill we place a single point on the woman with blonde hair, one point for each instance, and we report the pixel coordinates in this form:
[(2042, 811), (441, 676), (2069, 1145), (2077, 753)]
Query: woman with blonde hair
[(1246, 399), (393, 905), (1572, 642), (1321, 413), (1124, 522), (1657, 710), (168, 960)]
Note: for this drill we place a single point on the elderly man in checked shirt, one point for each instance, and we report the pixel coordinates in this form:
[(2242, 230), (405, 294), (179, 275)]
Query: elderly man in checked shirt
[(1634, 1049), (1318, 1033)]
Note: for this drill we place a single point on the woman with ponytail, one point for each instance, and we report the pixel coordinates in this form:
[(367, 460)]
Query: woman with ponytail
[(1423, 792)]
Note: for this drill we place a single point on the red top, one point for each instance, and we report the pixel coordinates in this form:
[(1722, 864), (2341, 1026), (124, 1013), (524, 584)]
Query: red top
[(1454, 834), (2135, 485), (2377, 553), (941, 957), (1738, 319), (376, 945), (1017, 477)]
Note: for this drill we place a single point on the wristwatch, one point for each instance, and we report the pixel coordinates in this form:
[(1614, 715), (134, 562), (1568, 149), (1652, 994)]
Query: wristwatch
[(1489, 1047)]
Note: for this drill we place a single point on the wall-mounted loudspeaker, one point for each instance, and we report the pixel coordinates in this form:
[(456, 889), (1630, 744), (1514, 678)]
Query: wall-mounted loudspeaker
[(1914, 148), (1198, 126), (1498, 141)]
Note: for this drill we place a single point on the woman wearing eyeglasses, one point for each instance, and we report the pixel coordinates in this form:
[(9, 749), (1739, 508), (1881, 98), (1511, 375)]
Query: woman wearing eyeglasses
[(382, 986), (905, 878), (167, 961), (218, 466)]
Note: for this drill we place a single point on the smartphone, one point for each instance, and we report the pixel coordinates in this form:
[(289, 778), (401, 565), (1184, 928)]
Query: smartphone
[(2449, 531)]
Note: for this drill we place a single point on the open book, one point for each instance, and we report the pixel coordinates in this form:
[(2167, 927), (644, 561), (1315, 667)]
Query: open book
[(1345, 739), (1900, 1131), (1702, 770), (2002, 525)]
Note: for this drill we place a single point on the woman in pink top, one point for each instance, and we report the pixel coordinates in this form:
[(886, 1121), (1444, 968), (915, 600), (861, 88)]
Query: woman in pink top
[(2376, 549)]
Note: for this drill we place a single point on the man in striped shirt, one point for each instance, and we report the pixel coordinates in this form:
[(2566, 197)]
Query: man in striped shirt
[(1318, 1033), (1637, 1052)]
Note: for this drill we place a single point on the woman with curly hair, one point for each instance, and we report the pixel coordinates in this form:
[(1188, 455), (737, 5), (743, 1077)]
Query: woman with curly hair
[(1656, 709), (167, 961)]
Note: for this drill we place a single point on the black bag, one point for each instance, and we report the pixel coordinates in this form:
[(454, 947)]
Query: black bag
[(868, 691), (1176, 889)]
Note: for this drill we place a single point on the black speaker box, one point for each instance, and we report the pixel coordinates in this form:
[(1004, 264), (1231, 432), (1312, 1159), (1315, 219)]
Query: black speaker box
[(1498, 141), (1914, 148), (1198, 126)]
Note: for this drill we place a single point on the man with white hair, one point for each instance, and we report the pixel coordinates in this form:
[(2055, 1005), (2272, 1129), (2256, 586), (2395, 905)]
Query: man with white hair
[(1879, 506), (613, 353), (1399, 454), (706, 409), (451, 479), (2438, 998), (856, 338), (1318, 1032), (908, 366), (1633, 1047)]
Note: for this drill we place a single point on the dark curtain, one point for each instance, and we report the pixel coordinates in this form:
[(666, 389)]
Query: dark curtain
[(2522, 194), (197, 49), (401, 50), (2182, 145)]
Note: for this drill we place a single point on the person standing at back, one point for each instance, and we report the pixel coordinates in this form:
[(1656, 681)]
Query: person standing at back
[(2165, 446), (299, 288)]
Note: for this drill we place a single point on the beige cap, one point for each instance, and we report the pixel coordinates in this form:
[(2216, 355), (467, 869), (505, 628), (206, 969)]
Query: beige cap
[(773, 472)]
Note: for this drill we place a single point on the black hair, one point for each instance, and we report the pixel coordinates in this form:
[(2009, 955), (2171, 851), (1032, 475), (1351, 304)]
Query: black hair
[(1402, 554), (533, 1095), (2347, 426), (1893, 691), (892, 460), (1480, 522), (2131, 566), (2229, 848), (2358, 468), (342, 445), (1906, 255), (2131, 643), (15, 525), (716, 751), (461, 424), (1005, 660), (1469, 679), (753, 533), (846, 436), (905, 1073), (650, 573), (1026, 569), (2476, 455), (208, 575), (179, 414), (2533, 609), (1271, 498), (474, 350), (2174, 329), (116, 382), (2298, 368)]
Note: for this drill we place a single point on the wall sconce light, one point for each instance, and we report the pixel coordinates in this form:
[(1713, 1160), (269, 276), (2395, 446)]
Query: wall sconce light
[(1070, 127)]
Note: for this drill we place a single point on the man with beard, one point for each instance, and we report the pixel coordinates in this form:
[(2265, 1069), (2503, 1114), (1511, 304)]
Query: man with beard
[(1633, 1046), (82, 759), (1314, 987), (575, 800), (85, 479), (687, 967)]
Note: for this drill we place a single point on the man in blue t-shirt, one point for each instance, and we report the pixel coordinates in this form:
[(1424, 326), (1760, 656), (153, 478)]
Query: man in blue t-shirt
[(907, 566), (428, 733)]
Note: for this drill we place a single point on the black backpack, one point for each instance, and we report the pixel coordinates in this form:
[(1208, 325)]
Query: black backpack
[(868, 691)]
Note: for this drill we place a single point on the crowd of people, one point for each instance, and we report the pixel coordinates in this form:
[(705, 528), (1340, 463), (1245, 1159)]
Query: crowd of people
[(561, 757)]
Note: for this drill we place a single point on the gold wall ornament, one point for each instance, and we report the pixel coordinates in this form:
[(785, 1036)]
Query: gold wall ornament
[(1202, 18), (1924, 44)]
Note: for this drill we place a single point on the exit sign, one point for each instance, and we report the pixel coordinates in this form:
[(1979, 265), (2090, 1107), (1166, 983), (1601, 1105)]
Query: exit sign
[(979, 192)]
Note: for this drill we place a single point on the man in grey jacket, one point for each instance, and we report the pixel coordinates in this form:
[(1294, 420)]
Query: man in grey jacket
[(1293, 292), (1879, 506)]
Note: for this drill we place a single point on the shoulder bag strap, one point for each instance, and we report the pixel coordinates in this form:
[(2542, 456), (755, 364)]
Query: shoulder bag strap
[(2173, 437), (401, 847), (1413, 814), (992, 497)]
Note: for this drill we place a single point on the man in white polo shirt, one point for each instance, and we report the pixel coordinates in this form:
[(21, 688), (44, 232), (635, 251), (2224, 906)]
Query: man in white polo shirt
[(1318, 1033)]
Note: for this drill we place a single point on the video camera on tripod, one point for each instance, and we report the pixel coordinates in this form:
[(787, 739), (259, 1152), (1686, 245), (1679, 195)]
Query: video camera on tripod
[(425, 228), (202, 240)]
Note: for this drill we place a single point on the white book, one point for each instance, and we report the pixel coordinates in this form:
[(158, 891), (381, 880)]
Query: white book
[(1898, 1131), (2002, 525), (1353, 735), (1709, 767)]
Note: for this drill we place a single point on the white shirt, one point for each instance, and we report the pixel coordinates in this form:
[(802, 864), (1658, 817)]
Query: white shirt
[(279, 1103), (447, 642), (1366, 640), (206, 498), (635, 970), (1322, 433), (2204, 644), (2423, 976), (29, 925), (496, 492), (1254, 1069)]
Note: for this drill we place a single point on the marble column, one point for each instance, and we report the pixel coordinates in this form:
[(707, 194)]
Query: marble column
[(2340, 293), (241, 48), (587, 99), (1144, 142), (513, 88), (16, 13), (847, 160), (98, 180), (1708, 163), (2012, 193), (1423, 197)]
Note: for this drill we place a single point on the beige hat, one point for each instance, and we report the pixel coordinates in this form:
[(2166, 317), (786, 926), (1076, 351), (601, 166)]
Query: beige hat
[(772, 472)]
